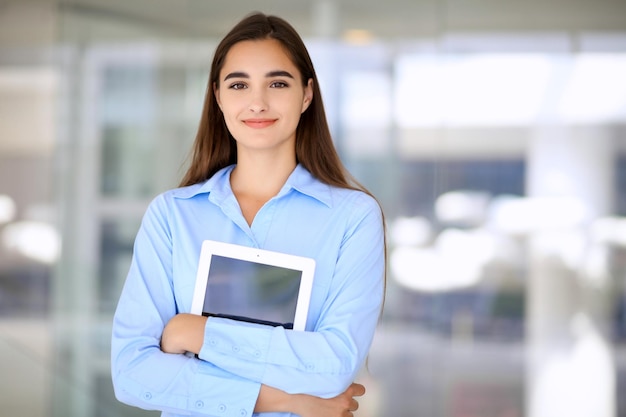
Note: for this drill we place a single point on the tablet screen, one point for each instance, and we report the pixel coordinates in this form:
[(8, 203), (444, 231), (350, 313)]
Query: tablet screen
[(253, 284), (250, 291)]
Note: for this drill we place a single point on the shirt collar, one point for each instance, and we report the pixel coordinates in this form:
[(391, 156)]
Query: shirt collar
[(216, 182), (300, 180), (304, 182)]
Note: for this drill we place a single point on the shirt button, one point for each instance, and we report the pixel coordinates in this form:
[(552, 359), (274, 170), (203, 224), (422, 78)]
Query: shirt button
[(243, 413), (221, 408), (310, 367), (147, 396), (212, 342), (199, 404), (257, 353), (236, 349)]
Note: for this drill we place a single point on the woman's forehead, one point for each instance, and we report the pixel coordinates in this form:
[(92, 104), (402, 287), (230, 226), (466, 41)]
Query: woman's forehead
[(258, 56)]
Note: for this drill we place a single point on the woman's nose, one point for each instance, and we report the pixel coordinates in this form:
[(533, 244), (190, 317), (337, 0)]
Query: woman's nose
[(258, 102)]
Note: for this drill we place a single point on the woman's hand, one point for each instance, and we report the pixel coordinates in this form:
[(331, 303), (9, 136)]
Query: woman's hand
[(183, 333), (342, 405), (274, 400)]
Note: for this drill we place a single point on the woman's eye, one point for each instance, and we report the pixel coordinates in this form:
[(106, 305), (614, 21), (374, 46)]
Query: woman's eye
[(237, 86), (279, 84)]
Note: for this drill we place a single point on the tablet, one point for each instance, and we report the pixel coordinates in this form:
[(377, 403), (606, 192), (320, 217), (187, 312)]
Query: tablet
[(253, 285)]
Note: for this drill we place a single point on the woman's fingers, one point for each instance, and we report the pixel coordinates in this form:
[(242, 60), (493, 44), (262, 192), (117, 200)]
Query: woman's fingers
[(354, 405), (356, 390)]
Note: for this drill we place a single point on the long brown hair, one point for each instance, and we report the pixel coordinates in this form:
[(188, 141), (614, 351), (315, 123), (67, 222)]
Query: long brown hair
[(215, 148)]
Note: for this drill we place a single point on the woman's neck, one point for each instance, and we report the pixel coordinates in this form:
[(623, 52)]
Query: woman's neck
[(260, 176), (255, 181)]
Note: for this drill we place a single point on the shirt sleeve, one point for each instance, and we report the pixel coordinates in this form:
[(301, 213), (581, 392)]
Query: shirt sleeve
[(144, 376), (324, 361)]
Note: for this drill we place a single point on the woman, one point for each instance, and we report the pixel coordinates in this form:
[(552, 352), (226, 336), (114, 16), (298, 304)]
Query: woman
[(264, 173)]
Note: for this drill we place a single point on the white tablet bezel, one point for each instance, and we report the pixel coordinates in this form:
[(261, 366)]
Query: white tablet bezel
[(246, 253)]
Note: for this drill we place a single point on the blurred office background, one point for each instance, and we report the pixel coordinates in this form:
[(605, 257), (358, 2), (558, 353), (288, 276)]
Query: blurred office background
[(493, 132)]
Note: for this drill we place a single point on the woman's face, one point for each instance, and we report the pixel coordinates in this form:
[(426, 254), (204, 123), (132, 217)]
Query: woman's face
[(261, 94)]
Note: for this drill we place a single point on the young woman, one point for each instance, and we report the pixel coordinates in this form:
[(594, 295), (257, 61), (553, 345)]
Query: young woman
[(265, 174)]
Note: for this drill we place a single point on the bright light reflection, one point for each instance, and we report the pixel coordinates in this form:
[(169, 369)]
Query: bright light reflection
[(410, 231), (419, 94), (569, 246), (470, 90), (559, 379), (508, 89), (35, 240), (523, 215), (468, 207), (455, 261), (597, 268), (609, 230), (596, 91), (474, 248), (7, 209), (367, 101), (427, 270)]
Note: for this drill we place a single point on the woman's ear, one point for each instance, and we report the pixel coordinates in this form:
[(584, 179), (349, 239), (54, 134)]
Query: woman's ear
[(308, 95)]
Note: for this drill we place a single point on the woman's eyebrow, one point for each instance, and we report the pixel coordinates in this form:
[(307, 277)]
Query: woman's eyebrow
[(236, 75), (277, 73)]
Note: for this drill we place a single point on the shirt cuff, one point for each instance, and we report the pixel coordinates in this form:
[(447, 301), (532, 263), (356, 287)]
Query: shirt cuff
[(238, 347)]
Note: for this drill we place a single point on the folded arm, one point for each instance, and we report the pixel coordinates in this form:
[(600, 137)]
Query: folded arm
[(185, 333), (325, 360)]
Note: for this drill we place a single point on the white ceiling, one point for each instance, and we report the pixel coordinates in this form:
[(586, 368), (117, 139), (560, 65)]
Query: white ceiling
[(385, 19), (36, 22)]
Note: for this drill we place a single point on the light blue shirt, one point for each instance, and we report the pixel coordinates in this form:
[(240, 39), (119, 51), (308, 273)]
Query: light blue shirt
[(341, 229)]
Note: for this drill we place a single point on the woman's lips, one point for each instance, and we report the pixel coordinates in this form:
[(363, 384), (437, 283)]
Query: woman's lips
[(259, 123)]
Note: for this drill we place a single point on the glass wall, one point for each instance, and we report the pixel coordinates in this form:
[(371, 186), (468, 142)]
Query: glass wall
[(499, 157)]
